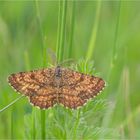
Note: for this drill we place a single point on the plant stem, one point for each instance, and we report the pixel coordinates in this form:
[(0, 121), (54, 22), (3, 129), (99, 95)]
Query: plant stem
[(76, 124), (94, 32), (41, 33), (34, 125), (43, 114), (43, 124), (58, 33), (114, 51), (70, 47), (62, 31), (17, 99), (106, 120)]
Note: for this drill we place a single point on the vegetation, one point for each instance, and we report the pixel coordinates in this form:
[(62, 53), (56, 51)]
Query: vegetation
[(101, 37)]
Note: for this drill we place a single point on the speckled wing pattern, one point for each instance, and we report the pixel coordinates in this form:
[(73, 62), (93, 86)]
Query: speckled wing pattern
[(44, 89), (78, 88), (36, 85)]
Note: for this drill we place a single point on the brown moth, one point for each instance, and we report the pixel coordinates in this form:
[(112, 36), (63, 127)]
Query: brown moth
[(50, 86)]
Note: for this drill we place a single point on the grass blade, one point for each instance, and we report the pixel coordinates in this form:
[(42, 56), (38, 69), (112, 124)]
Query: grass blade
[(94, 32), (58, 32), (43, 114), (13, 102), (70, 47), (62, 31), (41, 33), (114, 49), (106, 120)]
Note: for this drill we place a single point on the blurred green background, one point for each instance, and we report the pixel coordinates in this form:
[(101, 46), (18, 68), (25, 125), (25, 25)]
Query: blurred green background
[(106, 32)]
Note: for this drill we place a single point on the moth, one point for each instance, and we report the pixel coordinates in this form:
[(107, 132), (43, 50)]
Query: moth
[(57, 85)]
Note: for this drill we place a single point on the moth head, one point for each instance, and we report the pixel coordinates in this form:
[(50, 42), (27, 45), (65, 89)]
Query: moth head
[(58, 72)]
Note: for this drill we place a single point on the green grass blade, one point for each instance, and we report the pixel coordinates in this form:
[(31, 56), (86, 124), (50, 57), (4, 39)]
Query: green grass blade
[(70, 47), (115, 46), (62, 31), (42, 38), (58, 33), (76, 124), (43, 124), (109, 113), (13, 102), (127, 102), (34, 124), (43, 114), (94, 32), (12, 124)]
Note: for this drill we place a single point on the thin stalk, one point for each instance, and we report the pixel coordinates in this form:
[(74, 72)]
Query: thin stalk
[(94, 32), (43, 124), (76, 125), (115, 50), (62, 31), (43, 114), (128, 109), (106, 120), (13, 102), (70, 48), (27, 66), (58, 33), (12, 124), (41, 33), (34, 124)]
